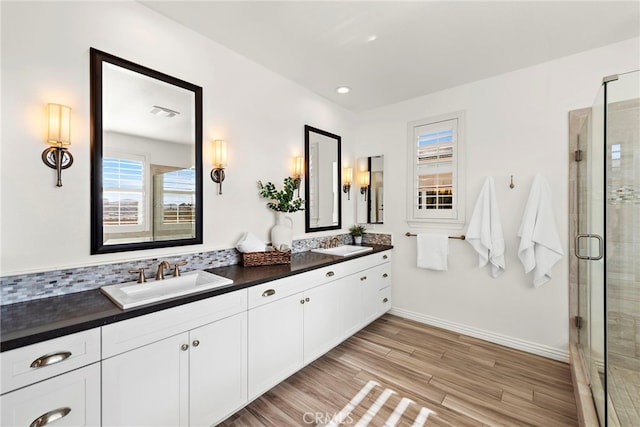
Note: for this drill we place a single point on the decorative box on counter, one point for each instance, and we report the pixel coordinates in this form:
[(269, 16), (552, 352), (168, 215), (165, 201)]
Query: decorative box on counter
[(252, 259)]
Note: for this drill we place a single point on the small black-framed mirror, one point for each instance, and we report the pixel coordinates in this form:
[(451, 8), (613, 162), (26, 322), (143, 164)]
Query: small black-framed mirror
[(146, 157), (375, 199), (323, 170)]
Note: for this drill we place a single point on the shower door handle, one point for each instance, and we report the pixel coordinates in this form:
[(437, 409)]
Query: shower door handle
[(589, 236)]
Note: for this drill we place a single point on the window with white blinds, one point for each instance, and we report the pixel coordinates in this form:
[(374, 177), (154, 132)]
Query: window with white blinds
[(123, 193), (178, 196), (435, 178)]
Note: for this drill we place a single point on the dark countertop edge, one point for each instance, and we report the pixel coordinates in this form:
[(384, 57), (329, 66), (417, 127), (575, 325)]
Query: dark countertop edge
[(114, 314)]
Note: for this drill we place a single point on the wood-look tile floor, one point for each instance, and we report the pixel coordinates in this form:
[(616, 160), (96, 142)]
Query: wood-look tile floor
[(399, 372)]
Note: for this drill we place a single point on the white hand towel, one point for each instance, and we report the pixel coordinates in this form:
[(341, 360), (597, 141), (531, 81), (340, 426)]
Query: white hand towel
[(250, 243), (540, 246), (432, 251), (485, 230)]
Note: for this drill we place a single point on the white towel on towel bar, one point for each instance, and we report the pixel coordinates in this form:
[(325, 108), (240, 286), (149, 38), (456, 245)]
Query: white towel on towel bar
[(540, 246), (485, 230), (432, 251)]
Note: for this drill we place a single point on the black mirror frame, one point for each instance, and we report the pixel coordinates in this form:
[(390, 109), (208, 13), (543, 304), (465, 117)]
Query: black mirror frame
[(97, 57), (307, 219)]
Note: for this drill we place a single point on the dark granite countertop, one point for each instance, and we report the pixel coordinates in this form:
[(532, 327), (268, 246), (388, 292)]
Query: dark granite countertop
[(34, 321)]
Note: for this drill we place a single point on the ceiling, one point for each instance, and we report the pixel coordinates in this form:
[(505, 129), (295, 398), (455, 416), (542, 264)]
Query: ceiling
[(390, 51)]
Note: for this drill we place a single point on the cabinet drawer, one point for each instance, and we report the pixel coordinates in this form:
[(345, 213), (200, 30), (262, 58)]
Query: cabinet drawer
[(287, 286), (37, 362), (369, 261), (133, 333), (71, 399), (384, 300)]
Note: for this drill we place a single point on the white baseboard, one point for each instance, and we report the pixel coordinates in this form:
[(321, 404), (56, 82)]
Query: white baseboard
[(518, 344)]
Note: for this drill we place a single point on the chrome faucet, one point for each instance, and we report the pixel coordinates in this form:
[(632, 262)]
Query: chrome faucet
[(161, 267)]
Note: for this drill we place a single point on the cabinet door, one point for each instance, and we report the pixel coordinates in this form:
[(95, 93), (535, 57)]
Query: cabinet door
[(350, 294), (71, 399), (217, 370), (147, 386), (322, 320), (275, 343)]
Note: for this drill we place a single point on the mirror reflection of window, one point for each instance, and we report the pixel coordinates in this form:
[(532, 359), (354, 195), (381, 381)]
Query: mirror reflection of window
[(174, 202)]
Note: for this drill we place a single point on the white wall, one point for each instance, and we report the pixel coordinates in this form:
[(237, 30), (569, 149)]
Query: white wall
[(517, 124), (45, 58)]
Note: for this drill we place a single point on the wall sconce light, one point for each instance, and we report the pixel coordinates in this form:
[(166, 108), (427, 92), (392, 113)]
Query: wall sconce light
[(364, 183), (298, 171), (219, 162), (57, 156), (346, 182)]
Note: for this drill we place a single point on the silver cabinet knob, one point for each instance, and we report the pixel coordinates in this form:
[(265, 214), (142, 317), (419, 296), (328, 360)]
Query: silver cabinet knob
[(184, 347), (301, 301), (306, 299), (330, 273), (384, 257), (195, 343), (385, 300), (385, 275), (363, 278)]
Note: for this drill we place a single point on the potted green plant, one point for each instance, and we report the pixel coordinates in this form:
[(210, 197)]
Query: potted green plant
[(357, 231), (282, 201)]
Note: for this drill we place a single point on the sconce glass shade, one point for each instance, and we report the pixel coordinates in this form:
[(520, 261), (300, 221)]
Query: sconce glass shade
[(364, 179), (219, 153), (298, 167), (348, 176), (59, 117)]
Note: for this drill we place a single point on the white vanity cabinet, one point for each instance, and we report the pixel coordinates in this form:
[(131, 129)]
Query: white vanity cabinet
[(185, 366), (295, 320), (55, 380)]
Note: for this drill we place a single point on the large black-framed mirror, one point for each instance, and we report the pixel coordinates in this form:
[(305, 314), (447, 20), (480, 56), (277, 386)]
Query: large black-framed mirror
[(323, 170), (146, 157)]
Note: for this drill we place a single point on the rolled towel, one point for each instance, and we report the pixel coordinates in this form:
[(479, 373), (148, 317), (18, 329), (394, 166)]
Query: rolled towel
[(250, 243)]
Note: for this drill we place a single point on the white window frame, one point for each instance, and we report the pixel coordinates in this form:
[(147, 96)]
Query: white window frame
[(145, 225), (444, 218)]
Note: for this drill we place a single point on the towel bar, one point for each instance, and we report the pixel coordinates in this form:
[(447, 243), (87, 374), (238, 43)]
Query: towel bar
[(461, 237)]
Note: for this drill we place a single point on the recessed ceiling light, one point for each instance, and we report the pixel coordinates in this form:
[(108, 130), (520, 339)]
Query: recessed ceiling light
[(371, 38), (343, 89)]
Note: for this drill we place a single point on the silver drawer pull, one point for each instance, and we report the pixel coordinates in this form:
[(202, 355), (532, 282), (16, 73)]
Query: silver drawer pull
[(384, 257), (50, 359), (363, 278), (50, 417), (268, 293), (385, 275), (385, 300), (330, 273)]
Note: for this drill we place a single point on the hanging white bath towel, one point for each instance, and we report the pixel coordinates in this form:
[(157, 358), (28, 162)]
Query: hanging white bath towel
[(540, 246), (432, 250), (485, 230)]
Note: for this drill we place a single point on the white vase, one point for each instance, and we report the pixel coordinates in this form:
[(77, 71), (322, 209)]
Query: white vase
[(357, 240), (282, 232)]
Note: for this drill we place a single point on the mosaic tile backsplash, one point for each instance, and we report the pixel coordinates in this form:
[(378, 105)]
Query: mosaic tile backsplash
[(25, 287)]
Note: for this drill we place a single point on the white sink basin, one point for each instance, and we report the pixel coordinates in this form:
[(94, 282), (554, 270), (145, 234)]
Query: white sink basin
[(345, 250), (133, 294)]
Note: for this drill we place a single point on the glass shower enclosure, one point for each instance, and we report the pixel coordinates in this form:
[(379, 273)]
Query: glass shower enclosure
[(607, 246)]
